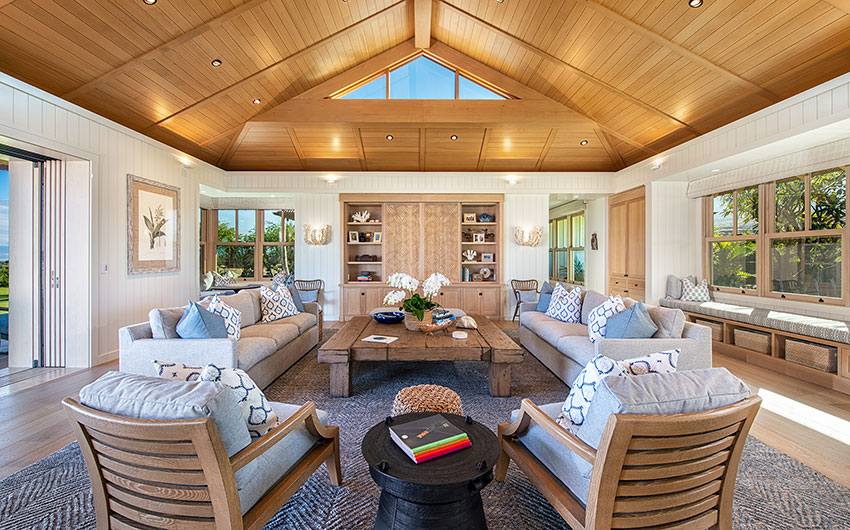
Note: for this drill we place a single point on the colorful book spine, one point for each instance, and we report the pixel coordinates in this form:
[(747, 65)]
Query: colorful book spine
[(442, 450)]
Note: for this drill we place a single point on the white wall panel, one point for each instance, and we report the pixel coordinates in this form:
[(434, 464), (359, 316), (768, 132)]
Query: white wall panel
[(320, 261), (596, 261), (671, 247), (524, 263)]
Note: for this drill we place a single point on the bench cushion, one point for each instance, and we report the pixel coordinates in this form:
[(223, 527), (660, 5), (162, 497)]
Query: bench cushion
[(821, 328)]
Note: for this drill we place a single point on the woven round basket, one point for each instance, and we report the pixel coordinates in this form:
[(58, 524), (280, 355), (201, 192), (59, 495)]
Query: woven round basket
[(427, 398), (413, 324)]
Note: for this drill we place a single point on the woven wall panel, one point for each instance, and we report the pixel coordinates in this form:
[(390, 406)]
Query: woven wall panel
[(442, 240), (402, 233)]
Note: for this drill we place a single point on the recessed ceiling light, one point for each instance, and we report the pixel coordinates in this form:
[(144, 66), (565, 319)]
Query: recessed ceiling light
[(694, 3), (390, 138), (583, 142), (149, 2), (256, 101), (453, 137), (499, 1), (216, 62)]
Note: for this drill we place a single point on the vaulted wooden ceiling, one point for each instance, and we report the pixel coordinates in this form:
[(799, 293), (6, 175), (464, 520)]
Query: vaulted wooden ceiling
[(633, 78)]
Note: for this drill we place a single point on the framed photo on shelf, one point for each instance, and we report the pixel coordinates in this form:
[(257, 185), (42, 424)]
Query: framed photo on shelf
[(353, 236), (487, 257), (478, 238), (477, 278), (377, 238), (469, 218)]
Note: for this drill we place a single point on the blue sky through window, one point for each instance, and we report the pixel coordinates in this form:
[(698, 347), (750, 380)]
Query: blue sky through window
[(468, 89), (376, 89)]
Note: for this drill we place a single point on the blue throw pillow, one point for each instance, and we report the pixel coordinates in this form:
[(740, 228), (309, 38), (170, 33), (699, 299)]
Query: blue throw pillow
[(198, 323), (309, 296), (296, 297), (633, 323), (545, 297)]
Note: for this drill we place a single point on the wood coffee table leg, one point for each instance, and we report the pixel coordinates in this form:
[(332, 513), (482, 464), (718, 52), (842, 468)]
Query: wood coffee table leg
[(500, 379), (341, 379)]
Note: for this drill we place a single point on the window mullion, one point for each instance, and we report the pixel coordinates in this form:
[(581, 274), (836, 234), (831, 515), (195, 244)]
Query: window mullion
[(807, 197)]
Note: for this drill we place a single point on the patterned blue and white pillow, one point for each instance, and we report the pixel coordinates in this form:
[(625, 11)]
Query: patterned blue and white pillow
[(276, 304), (223, 280), (232, 317), (598, 318), (663, 362), (695, 293), (258, 415), (584, 387), (176, 371), (565, 305)]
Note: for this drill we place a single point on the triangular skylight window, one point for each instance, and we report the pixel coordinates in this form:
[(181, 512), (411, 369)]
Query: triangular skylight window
[(420, 78)]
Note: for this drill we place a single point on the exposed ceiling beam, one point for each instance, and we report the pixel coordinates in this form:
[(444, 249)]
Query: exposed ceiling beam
[(613, 154), (286, 60), (164, 47), (422, 23), (482, 153), (546, 147), (427, 112), (361, 152), (679, 49), (234, 144), (843, 5), (4, 3), (422, 133), (573, 69), (296, 144)]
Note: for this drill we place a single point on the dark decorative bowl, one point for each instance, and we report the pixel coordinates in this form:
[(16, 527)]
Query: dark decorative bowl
[(389, 317)]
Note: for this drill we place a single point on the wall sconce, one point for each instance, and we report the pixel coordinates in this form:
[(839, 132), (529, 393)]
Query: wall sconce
[(528, 237), (317, 235), (331, 179)]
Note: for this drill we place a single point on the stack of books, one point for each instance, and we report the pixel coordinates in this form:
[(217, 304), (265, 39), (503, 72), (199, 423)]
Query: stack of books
[(428, 438)]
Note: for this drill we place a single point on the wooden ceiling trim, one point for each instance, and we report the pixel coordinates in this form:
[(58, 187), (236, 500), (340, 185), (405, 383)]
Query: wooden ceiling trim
[(296, 144), (610, 149), (422, 23), (164, 47), (579, 72), (361, 153), (224, 160), (421, 149), (276, 66), (482, 153), (843, 5), (546, 146)]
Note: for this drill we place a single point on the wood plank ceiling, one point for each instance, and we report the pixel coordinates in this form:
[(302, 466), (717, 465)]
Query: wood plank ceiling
[(633, 78)]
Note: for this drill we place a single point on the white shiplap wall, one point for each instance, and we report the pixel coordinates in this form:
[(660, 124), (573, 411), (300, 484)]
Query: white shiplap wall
[(596, 261), (29, 116), (320, 261), (672, 247), (524, 263)]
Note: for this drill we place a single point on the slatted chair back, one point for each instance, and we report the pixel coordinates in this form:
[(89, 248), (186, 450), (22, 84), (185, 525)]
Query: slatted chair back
[(156, 473), (310, 285), (671, 471), (523, 285)]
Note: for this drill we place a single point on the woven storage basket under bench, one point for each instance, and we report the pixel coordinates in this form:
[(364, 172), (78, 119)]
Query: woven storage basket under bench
[(752, 340), (715, 327), (817, 356)]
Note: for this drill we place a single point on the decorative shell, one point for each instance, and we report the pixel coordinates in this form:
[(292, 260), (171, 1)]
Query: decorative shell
[(470, 255), (467, 322), (486, 272), (361, 217)]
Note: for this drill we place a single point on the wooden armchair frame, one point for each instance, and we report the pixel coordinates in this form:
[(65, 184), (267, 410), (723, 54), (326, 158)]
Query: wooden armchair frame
[(518, 287), (318, 286), (176, 474), (673, 471)]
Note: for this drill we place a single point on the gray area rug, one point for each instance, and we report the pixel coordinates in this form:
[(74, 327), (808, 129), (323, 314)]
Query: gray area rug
[(773, 490)]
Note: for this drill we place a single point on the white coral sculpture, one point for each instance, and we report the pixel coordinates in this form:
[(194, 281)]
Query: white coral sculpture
[(470, 255), (361, 217)]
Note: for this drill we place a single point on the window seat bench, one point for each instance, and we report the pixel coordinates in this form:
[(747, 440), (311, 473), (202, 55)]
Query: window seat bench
[(777, 327)]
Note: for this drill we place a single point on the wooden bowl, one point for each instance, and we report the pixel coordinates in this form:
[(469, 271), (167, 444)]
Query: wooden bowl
[(430, 329)]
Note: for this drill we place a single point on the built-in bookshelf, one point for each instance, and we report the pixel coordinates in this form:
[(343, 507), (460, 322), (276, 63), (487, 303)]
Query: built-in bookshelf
[(480, 242), (364, 248)]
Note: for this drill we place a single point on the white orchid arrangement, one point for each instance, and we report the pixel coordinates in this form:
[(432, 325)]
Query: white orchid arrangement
[(411, 301)]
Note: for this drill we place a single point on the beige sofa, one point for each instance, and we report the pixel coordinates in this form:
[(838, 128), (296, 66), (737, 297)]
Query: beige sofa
[(264, 351), (565, 348)]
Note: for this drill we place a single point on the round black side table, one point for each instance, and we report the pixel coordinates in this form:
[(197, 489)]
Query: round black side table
[(443, 493)]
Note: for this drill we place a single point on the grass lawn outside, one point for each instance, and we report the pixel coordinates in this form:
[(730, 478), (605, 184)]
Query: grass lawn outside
[(4, 300)]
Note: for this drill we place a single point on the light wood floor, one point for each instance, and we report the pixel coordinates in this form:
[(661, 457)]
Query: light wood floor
[(33, 424)]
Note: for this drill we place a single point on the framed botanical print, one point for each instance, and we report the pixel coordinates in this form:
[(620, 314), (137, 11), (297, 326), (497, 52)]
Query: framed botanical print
[(153, 226)]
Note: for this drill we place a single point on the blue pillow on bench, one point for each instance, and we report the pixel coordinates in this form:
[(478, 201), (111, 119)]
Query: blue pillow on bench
[(633, 323)]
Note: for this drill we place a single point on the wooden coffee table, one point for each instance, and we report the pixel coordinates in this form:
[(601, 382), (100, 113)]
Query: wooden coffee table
[(487, 343)]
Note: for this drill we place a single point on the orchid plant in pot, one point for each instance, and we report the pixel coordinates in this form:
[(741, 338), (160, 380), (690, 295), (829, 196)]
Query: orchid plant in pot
[(417, 308)]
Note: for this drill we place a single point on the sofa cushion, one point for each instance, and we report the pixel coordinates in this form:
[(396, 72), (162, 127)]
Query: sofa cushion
[(633, 323), (275, 305), (251, 350), (293, 292), (549, 329), (598, 319), (278, 460), (553, 455), (164, 322), (577, 347), (671, 393), (246, 302), (565, 305), (198, 323), (278, 331), (545, 297), (674, 287), (232, 316), (670, 322), (303, 321), (591, 301), (256, 412), (176, 371), (695, 292), (153, 398)]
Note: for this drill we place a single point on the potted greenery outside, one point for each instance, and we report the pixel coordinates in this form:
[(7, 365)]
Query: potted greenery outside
[(418, 309)]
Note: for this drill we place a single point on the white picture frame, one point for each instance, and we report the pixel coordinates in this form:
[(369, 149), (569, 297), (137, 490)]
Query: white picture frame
[(478, 238), (488, 257)]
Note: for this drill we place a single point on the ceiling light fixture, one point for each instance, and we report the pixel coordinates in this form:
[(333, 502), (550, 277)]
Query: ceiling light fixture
[(656, 164), (715, 171), (499, 1), (330, 179), (512, 179), (216, 62), (256, 101), (694, 3), (583, 142), (390, 138), (453, 137), (149, 2)]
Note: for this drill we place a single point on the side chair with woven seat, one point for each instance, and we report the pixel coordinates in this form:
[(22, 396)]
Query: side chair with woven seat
[(199, 470), (524, 291)]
